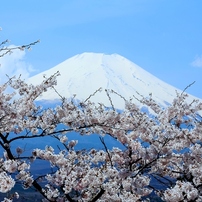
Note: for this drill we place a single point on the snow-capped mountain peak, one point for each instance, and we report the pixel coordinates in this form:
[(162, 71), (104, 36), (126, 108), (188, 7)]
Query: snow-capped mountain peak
[(85, 73)]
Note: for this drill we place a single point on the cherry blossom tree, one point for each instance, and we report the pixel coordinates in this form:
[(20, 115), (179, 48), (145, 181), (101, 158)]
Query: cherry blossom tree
[(161, 154)]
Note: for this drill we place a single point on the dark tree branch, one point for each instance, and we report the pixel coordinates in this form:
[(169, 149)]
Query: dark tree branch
[(99, 195), (103, 142)]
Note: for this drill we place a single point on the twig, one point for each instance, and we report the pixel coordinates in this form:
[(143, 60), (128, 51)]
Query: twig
[(9, 50), (188, 87), (98, 90), (118, 95), (110, 99), (103, 142)]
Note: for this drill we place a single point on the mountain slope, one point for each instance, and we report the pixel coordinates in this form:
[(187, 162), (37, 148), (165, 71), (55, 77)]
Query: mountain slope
[(84, 73)]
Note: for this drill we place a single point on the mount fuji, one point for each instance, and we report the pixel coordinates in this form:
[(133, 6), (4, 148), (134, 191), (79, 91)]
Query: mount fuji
[(85, 73)]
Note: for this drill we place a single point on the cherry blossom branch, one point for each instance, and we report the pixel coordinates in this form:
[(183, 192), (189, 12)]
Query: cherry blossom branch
[(188, 87), (104, 144), (88, 98), (8, 50)]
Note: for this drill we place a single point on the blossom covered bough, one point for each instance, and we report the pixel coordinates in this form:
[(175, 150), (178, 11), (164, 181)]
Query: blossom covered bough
[(161, 154), (165, 148)]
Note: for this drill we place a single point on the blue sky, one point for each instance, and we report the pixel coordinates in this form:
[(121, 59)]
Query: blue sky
[(162, 36)]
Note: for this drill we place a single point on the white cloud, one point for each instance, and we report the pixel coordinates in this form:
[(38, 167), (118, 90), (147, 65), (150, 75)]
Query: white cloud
[(14, 64), (197, 61)]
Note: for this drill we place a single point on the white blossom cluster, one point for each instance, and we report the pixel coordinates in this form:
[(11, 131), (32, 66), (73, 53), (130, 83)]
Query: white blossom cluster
[(14, 166), (90, 174), (6, 182), (182, 191), (166, 148)]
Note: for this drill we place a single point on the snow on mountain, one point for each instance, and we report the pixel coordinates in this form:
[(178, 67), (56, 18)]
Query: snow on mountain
[(85, 73)]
